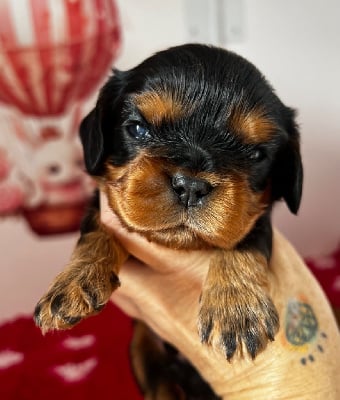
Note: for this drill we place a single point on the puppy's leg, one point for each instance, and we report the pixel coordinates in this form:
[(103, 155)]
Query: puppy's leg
[(161, 372), (236, 311), (87, 282)]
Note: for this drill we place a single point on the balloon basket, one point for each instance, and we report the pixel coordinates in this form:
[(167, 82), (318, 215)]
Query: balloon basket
[(51, 220)]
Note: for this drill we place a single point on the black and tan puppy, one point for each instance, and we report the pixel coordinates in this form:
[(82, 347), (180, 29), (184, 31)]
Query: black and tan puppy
[(192, 147)]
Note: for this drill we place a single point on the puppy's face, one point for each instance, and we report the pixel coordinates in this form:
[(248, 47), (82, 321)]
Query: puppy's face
[(192, 147)]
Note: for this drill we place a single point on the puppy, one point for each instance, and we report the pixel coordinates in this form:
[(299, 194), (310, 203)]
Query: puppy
[(192, 147)]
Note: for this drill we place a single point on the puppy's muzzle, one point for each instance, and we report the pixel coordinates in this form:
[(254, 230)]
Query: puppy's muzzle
[(189, 190)]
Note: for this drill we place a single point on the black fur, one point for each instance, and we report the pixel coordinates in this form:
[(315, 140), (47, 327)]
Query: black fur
[(177, 370), (89, 223), (215, 80), (260, 237)]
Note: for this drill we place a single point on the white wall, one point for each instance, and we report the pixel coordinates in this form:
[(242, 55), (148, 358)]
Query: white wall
[(296, 44)]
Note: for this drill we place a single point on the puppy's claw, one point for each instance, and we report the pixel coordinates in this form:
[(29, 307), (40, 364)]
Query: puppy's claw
[(72, 320), (115, 282), (229, 344), (204, 329), (271, 327), (253, 343), (56, 303), (36, 315)]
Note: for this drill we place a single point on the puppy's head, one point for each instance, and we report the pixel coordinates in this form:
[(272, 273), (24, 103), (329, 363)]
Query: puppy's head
[(192, 146)]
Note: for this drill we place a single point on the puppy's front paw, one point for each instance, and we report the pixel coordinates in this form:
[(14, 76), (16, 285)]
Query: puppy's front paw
[(233, 319), (75, 294)]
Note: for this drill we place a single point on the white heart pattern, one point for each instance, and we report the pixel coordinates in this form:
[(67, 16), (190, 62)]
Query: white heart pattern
[(79, 342), (73, 372), (9, 358)]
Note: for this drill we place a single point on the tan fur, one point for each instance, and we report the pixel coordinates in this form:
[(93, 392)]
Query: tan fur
[(252, 125), (94, 264), (278, 373), (141, 196), (159, 106), (235, 293)]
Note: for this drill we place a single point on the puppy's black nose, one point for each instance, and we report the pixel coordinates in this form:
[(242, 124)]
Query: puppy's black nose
[(189, 190)]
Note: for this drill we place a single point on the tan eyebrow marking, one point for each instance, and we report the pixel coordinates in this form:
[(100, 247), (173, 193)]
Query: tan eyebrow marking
[(253, 126), (159, 106)]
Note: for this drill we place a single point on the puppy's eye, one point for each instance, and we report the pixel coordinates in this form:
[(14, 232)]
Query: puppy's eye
[(258, 154), (138, 131)]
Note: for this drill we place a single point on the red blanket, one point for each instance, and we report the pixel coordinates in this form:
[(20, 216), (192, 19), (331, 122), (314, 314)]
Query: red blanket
[(88, 362)]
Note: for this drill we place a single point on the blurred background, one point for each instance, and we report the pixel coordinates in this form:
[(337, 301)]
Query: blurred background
[(42, 188)]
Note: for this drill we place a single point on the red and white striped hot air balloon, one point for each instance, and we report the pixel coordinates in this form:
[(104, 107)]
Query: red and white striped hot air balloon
[(54, 52)]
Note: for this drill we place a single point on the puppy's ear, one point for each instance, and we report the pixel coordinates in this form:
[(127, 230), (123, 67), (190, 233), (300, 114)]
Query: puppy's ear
[(92, 139), (288, 170)]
